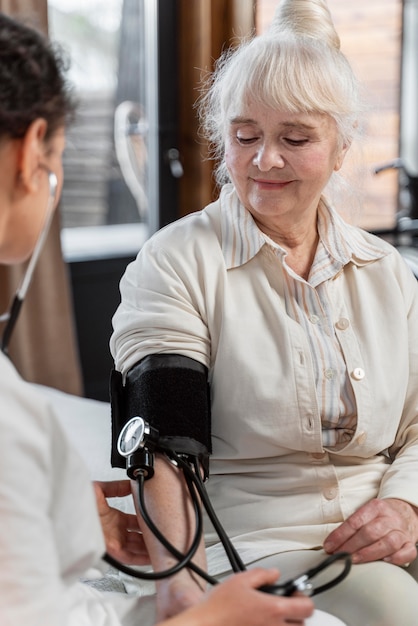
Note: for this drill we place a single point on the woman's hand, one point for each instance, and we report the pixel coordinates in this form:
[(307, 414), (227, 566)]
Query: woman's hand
[(124, 541), (385, 529), (237, 602)]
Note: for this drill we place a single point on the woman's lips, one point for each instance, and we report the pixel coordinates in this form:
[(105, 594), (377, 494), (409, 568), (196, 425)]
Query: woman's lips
[(271, 184)]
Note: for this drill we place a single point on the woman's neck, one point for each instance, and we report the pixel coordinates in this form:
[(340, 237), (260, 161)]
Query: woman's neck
[(300, 243)]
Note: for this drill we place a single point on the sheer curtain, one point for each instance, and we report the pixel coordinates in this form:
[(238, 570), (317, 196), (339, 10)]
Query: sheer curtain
[(43, 346)]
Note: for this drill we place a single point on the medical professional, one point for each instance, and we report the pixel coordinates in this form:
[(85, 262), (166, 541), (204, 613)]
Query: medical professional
[(51, 524), (305, 329)]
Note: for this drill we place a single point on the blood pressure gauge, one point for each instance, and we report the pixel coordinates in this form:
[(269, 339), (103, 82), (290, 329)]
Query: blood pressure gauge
[(136, 443), (135, 436)]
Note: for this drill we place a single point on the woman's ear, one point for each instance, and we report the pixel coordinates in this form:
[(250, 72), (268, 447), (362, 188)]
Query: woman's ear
[(341, 155), (32, 155)]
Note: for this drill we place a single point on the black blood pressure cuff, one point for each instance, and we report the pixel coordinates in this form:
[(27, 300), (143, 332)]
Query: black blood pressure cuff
[(170, 392)]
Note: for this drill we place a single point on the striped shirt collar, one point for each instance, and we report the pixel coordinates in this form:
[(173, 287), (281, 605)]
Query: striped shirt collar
[(242, 239)]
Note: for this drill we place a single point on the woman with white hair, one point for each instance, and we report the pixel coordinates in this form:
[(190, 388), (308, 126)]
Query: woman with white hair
[(304, 327)]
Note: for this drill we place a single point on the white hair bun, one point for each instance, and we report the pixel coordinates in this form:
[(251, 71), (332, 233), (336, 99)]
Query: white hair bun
[(309, 18)]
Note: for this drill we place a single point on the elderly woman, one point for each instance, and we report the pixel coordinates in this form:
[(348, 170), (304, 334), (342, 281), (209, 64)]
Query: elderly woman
[(50, 531), (305, 327)]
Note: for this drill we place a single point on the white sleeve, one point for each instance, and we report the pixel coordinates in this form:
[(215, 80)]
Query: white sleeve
[(89, 607), (50, 533)]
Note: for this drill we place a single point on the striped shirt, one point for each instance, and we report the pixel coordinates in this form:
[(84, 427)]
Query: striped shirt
[(307, 303)]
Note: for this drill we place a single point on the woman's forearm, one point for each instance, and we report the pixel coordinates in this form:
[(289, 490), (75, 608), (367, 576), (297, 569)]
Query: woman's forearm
[(169, 505)]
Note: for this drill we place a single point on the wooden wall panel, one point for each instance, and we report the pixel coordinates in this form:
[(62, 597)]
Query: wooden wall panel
[(205, 28), (33, 11)]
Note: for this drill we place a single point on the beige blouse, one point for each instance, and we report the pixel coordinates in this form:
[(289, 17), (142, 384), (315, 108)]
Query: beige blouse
[(209, 289)]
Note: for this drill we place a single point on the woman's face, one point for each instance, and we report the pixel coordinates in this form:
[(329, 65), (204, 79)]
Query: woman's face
[(280, 163), (26, 217)]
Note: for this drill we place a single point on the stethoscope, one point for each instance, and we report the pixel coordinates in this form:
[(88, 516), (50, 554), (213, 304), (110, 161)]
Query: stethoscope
[(12, 314), (138, 442)]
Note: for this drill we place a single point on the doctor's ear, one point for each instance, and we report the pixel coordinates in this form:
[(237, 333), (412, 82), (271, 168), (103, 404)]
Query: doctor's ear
[(32, 155)]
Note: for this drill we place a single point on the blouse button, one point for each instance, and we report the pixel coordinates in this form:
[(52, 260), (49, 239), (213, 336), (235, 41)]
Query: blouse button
[(329, 374), (330, 494), (358, 373), (342, 324), (314, 319)]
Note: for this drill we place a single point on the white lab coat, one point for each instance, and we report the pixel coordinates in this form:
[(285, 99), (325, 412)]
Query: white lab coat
[(50, 534)]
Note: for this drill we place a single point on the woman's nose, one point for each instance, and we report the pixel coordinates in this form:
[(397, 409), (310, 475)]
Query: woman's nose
[(267, 157)]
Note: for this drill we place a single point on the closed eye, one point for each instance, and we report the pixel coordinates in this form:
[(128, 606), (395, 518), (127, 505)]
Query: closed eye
[(245, 141), (296, 142)]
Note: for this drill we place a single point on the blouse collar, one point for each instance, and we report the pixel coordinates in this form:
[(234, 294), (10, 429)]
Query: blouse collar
[(242, 239)]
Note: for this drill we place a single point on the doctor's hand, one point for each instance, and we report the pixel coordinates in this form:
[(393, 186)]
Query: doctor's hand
[(237, 602), (124, 542), (382, 529)]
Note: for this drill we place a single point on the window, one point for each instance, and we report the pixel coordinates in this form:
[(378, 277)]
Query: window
[(409, 125), (123, 66)]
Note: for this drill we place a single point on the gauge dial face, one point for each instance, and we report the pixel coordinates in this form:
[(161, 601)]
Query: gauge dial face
[(131, 437)]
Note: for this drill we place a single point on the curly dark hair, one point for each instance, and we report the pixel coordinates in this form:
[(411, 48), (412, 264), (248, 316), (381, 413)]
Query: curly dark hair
[(32, 80)]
